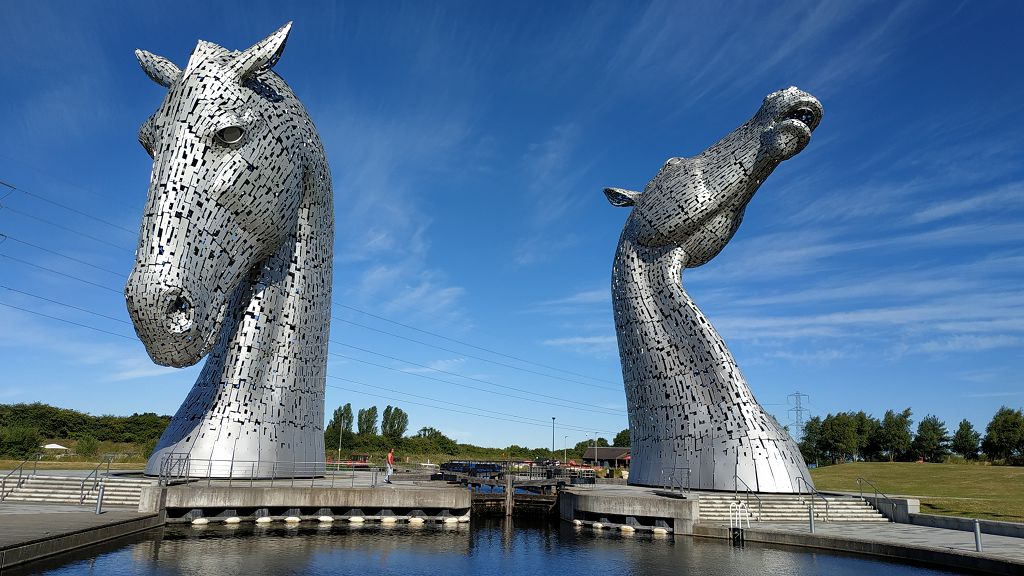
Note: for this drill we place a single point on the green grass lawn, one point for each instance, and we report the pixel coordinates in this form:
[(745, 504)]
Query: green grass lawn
[(969, 490)]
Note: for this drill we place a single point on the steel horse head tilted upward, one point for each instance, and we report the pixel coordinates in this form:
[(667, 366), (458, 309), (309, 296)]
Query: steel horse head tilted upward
[(234, 260), (692, 417)]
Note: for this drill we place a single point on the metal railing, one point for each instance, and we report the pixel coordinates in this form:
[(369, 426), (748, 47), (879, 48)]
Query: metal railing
[(23, 475), (678, 477), (95, 476), (736, 489), (182, 468), (860, 488), (802, 483), (738, 512)]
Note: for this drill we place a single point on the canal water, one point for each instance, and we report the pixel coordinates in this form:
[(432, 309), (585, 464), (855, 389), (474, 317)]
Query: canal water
[(495, 547)]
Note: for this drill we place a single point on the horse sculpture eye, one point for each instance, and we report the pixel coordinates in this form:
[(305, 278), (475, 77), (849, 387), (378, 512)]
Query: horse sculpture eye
[(805, 115), (230, 135)]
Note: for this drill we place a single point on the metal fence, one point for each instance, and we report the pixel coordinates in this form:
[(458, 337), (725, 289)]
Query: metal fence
[(183, 468)]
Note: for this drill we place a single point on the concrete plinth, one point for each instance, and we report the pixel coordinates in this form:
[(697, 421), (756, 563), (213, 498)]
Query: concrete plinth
[(639, 508)]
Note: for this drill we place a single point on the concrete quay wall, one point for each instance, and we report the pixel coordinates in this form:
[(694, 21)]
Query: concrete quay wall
[(634, 509), (55, 541), (943, 557), (185, 502), (908, 511)]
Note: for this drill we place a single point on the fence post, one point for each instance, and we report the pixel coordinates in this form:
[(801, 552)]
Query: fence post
[(977, 535), (99, 499)]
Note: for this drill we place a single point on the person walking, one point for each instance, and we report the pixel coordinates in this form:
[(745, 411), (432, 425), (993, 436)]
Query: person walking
[(391, 466)]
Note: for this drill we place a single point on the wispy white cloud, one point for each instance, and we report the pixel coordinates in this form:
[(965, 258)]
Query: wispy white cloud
[(600, 345), (1005, 197)]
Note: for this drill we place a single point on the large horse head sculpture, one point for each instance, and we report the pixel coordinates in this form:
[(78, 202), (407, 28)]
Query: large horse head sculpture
[(234, 258), (689, 406), (231, 149)]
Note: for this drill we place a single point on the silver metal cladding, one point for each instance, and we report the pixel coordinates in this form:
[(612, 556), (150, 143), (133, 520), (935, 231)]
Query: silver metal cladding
[(234, 258), (692, 416)]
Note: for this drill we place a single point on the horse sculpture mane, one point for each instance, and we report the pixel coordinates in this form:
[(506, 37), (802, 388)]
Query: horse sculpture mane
[(692, 418), (234, 260)]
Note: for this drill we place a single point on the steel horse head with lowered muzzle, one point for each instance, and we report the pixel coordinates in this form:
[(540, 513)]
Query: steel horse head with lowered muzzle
[(234, 260)]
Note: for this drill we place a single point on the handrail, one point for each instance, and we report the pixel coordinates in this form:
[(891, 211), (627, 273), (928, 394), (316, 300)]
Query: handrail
[(735, 485), (95, 475), (860, 488), (812, 492), (671, 479), (180, 467), (22, 477)]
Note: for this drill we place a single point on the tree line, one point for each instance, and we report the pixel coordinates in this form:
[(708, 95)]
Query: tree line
[(24, 427), (847, 436)]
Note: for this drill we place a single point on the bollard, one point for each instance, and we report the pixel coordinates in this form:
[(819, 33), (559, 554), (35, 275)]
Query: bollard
[(99, 500), (977, 536), (810, 518)]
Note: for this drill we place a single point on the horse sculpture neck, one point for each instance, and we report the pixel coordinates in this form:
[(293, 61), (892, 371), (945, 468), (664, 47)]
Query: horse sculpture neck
[(263, 383), (693, 420)]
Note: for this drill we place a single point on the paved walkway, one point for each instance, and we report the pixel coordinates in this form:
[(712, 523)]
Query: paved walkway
[(45, 523), (908, 535)]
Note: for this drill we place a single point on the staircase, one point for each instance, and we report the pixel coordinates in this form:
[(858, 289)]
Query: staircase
[(117, 491), (714, 508)]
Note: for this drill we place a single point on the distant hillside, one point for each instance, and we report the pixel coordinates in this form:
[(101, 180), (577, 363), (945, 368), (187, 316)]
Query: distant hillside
[(52, 422)]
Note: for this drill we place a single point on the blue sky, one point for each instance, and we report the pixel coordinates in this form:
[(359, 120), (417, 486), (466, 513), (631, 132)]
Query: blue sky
[(469, 144)]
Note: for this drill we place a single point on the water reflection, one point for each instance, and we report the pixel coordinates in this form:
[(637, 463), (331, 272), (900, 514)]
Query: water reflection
[(498, 547)]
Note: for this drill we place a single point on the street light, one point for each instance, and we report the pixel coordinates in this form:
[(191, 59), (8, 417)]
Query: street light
[(552, 436), (565, 457)]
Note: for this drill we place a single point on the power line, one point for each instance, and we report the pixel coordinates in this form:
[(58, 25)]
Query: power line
[(61, 226), (520, 419), (481, 358), (4, 236), (118, 291), (72, 306), (443, 337), (68, 208), (599, 410), (51, 270), (482, 381)]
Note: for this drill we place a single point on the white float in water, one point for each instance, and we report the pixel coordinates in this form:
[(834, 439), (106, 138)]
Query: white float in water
[(597, 526), (450, 519), (660, 531), (200, 522), (626, 528), (415, 520), (326, 518), (232, 520), (388, 520), (577, 522), (464, 518), (264, 520), (357, 519), (293, 520)]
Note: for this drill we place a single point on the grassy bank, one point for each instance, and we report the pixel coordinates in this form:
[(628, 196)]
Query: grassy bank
[(969, 490)]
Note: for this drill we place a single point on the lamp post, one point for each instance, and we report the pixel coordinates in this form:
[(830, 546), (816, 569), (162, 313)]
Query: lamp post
[(565, 457), (552, 436)]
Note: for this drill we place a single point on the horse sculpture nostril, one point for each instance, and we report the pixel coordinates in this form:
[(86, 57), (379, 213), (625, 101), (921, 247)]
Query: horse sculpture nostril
[(179, 314)]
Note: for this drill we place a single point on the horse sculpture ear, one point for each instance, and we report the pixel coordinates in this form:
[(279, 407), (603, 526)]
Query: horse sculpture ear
[(621, 198), (159, 69), (262, 55)]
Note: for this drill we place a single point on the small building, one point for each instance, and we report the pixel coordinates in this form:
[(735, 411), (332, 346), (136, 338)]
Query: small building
[(607, 456)]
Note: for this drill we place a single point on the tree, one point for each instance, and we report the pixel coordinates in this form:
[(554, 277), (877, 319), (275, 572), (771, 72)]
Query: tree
[(622, 439), (868, 436), (338, 433), (895, 434), (965, 441), (810, 443), (931, 440), (1004, 435), (394, 423), (839, 436), (19, 441), (87, 446), (367, 421)]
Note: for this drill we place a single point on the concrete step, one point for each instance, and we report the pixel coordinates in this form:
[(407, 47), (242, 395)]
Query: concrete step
[(68, 490), (715, 507)]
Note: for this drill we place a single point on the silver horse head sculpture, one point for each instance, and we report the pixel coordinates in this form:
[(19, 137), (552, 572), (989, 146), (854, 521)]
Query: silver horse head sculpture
[(234, 260), (693, 420)]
